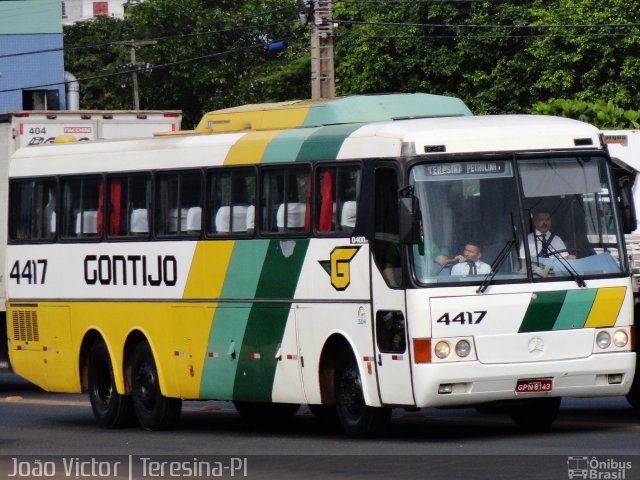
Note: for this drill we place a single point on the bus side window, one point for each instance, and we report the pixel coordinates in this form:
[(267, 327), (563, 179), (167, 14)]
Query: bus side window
[(82, 207), (336, 198), (33, 210), (128, 202), (231, 199), (387, 242), (390, 331), (286, 196), (176, 194)]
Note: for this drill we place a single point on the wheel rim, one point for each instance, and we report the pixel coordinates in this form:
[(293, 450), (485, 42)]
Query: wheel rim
[(146, 386), (350, 394)]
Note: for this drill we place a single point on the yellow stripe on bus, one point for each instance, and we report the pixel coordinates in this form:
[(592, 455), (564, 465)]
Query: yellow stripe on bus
[(208, 269), (606, 307), (250, 147)]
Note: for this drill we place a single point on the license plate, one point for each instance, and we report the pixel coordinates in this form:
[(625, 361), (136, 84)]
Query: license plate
[(534, 385)]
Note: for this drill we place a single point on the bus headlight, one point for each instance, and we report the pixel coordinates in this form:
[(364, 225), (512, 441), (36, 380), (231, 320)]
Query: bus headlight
[(620, 338), (603, 339), (442, 349), (463, 348)]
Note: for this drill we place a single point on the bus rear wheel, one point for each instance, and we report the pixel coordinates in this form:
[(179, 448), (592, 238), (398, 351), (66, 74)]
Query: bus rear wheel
[(153, 410), (111, 409), (537, 414), (358, 420)]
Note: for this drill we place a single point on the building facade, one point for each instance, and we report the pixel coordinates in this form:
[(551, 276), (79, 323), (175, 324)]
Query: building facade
[(79, 10), (31, 55)]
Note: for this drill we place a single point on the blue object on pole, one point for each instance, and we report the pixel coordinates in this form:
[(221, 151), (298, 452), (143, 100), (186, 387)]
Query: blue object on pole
[(276, 46)]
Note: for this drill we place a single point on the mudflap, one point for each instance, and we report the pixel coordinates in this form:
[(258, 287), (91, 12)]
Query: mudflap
[(5, 366)]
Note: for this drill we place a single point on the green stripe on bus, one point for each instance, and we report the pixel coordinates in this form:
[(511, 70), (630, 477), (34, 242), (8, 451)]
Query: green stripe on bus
[(325, 142), (286, 146), (230, 320), (575, 309), (543, 311), (267, 322)]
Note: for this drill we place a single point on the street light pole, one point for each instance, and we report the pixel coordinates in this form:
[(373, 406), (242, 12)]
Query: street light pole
[(134, 73), (322, 67)]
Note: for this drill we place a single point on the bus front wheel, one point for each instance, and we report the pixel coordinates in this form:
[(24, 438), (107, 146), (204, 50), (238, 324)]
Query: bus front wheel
[(358, 420), (153, 410), (536, 415), (111, 409)]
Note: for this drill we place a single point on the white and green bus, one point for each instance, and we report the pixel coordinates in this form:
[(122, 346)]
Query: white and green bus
[(311, 253)]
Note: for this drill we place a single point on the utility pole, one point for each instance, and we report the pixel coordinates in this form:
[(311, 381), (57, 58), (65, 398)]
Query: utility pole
[(136, 66), (322, 70)]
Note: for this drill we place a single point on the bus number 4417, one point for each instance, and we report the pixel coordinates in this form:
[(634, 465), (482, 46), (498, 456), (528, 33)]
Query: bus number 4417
[(33, 272), (468, 318)]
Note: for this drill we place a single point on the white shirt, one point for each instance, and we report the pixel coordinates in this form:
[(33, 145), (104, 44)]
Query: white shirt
[(462, 268), (535, 245)]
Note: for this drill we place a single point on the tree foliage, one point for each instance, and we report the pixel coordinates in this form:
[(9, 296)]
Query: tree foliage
[(207, 55), (499, 56), (605, 115)]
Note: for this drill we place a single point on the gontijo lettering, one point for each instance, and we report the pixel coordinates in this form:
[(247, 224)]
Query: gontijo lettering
[(131, 270)]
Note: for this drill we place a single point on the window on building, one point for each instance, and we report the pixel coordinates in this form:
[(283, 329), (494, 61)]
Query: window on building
[(100, 8), (64, 9), (40, 100)]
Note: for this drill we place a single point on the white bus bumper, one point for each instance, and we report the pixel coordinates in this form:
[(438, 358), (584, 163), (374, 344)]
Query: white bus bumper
[(468, 383)]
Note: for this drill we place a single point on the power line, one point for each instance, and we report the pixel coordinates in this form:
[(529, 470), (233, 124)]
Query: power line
[(349, 35), (167, 37), (441, 25), (154, 67), (116, 42)]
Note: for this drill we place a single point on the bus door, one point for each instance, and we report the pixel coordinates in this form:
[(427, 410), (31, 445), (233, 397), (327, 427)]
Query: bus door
[(393, 363)]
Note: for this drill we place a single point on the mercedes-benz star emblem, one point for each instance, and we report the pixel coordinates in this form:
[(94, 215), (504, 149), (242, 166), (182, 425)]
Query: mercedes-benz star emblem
[(536, 344)]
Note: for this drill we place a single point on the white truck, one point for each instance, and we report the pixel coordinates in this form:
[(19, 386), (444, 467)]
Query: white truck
[(36, 127)]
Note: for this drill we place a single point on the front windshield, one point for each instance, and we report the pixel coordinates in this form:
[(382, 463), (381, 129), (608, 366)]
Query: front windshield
[(472, 223)]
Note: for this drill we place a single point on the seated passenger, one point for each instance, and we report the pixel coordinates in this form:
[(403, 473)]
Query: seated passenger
[(469, 262)]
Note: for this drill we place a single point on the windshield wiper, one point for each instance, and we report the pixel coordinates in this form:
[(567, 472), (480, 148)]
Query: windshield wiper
[(497, 263), (575, 276)]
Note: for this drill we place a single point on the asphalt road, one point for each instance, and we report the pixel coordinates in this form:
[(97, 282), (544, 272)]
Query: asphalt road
[(592, 438)]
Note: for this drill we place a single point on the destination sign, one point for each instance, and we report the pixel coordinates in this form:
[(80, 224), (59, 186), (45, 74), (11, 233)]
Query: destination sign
[(465, 168)]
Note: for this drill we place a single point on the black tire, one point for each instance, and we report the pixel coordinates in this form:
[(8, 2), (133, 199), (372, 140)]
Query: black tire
[(153, 410), (266, 413), (111, 409), (537, 414), (358, 420)]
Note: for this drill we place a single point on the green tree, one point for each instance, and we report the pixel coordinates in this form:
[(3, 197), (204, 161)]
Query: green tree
[(90, 52), (605, 115), (208, 55), (591, 55)]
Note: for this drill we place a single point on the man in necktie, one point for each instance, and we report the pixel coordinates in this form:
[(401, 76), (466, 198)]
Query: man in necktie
[(544, 246), (469, 261), (542, 242)]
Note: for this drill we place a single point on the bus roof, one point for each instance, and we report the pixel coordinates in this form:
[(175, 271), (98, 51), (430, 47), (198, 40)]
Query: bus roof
[(468, 134), (332, 111)]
